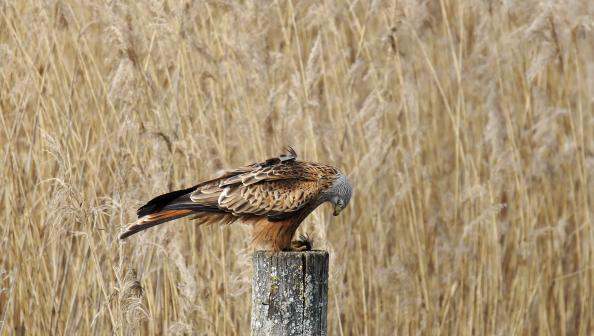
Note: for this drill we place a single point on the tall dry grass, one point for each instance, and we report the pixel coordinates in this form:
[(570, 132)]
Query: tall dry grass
[(467, 128)]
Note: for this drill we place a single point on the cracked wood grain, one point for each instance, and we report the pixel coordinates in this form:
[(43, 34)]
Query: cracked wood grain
[(289, 293)]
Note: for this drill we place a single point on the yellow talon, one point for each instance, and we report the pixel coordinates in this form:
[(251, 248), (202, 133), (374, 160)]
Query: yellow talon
[(304, 243)]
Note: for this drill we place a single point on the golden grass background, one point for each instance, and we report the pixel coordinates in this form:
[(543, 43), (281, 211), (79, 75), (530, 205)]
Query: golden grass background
[(466, 127)]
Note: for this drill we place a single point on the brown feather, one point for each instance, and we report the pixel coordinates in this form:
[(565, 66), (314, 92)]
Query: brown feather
[(275, 196), (154, 219), (278, 235)]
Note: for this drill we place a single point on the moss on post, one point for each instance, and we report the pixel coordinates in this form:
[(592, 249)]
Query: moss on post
[(289, 293)]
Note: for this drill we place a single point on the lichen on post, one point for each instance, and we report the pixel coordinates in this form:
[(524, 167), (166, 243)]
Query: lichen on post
[(289, 293)]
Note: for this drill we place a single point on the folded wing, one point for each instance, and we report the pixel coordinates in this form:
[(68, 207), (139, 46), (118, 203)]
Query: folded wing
[(275, 189)]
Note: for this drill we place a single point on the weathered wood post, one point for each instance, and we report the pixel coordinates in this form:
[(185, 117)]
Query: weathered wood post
[(289, 293)]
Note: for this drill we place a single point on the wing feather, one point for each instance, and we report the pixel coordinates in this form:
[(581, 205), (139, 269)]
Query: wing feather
[(270, 198), (274, 188), (278, 192)]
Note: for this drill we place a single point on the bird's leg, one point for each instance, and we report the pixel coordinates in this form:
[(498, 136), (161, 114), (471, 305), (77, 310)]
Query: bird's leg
[(304, 243)]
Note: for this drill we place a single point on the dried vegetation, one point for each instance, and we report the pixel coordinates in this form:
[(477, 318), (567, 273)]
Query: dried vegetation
[(467, 128)]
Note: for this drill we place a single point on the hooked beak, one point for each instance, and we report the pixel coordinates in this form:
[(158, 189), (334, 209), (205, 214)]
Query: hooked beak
[(337, 210)]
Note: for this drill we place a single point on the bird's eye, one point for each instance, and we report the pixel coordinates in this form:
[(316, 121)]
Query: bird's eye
[(340, 203)]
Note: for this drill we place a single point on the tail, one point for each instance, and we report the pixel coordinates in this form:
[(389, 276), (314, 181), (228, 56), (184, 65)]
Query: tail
[(164, 208)]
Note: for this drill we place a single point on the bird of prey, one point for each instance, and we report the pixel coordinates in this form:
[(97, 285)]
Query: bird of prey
[(275, 196)]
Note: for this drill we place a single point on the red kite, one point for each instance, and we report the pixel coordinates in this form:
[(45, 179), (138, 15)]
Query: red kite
[(275, 196)]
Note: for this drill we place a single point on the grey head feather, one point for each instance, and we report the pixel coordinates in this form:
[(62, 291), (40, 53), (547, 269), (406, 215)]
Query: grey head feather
[(340, 189), (344, 189)]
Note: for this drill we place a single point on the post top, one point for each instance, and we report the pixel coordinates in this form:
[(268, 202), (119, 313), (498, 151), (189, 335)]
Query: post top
[(290, 293), (291, 253)]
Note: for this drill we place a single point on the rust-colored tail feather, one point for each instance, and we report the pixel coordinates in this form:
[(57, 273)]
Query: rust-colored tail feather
[(167, 207), (153, 219)]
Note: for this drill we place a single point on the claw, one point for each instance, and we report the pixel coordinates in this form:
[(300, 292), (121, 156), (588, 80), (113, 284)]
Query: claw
[(304, 243)]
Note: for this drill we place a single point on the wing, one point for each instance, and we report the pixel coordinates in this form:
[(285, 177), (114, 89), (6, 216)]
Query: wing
[(257, 171), (274, 188), (275, 200), (279, 188)]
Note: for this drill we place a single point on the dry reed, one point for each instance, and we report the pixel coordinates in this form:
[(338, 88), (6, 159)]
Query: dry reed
[(467, 128)]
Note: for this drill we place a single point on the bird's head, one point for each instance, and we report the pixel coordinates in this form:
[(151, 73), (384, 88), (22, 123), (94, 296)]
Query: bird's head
[(340, 194)]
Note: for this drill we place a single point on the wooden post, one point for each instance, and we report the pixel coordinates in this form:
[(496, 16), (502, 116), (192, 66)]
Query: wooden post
[(289, 293)]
